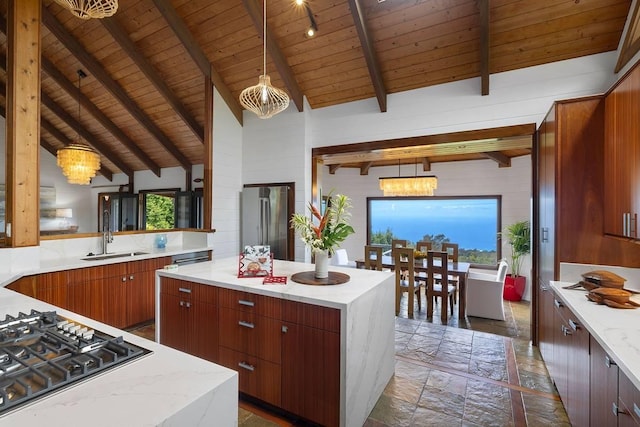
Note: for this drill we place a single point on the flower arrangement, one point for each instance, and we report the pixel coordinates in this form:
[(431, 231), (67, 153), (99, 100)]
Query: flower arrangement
[(333, 227)]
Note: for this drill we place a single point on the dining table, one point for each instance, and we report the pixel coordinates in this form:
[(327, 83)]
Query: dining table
[(458, 269)]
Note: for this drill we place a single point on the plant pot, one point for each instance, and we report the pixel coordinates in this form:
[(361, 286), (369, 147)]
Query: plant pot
[(322, 265), (514, 287)]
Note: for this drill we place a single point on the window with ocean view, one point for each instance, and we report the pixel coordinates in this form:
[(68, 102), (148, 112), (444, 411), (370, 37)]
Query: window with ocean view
[(472, 222)]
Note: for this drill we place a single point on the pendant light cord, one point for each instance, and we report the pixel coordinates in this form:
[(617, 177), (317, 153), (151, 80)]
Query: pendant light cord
[(264, 39)]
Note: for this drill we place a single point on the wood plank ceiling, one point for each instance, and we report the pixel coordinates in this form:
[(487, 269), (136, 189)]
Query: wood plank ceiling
[(143, 97)]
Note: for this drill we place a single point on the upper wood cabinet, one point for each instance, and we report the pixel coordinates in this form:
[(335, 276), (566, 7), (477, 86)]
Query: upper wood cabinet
[(622, 157)]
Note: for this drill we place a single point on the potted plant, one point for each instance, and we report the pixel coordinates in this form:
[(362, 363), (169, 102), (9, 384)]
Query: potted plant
[(332, 228), (518, 237)]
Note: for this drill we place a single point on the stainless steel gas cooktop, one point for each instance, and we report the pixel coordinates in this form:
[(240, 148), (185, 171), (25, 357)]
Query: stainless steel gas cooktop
[(42, 352)]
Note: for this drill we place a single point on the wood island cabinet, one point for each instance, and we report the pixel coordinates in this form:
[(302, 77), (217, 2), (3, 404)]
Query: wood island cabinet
[(188, 315), (287, 353)]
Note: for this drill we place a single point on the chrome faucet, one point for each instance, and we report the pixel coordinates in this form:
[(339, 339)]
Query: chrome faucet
[(107, 237)]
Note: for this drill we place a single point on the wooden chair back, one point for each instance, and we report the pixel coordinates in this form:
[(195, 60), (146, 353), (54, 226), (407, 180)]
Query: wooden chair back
[(398, 243), (373, 257), (404, 266), (452, 251), (437, 266), (424, 246)]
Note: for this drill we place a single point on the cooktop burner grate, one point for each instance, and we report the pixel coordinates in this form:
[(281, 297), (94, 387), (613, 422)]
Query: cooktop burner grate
[(42, 352)]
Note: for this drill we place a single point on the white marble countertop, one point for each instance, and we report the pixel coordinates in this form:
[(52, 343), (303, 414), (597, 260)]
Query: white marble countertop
[(224, 273), (76, 261), (166, 387), (616, 330)]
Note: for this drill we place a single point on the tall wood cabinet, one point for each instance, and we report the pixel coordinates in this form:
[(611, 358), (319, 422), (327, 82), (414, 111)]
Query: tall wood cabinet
[(622, 157)]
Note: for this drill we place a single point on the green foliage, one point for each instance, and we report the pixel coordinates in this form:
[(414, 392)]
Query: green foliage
[(160, 212), (519, 238), (382, 237), (333, 226), (436, 240)]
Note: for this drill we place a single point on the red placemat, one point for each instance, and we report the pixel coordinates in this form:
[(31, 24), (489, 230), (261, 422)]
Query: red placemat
[(278, 280)]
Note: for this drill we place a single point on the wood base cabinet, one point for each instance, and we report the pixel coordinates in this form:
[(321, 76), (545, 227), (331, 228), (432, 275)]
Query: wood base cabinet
[(628, 403), (603, 376), (188, 318), (287, 353)]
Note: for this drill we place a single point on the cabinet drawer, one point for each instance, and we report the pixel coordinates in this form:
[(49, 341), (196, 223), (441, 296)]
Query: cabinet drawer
[(189, 290), (258, 378), (314, 316), (151, 264), (248, 302), (629, 397), (249, 333)]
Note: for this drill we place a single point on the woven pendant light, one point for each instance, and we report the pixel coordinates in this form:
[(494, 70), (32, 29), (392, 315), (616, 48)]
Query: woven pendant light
[(88, 9), (263, 99), (78, 161)]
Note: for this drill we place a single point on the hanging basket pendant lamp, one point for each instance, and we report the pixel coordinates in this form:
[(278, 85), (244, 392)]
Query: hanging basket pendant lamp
[(263, 99), (78, 161), (88, 9)]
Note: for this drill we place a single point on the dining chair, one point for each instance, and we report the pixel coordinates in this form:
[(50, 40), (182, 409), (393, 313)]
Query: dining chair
[(441, 289), (373, 257), (452, 254), (405, 279)]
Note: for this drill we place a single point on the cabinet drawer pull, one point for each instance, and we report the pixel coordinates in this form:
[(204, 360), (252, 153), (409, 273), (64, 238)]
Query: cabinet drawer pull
[(616, 410), (124, 279), (245, 302), (246, 324), (246, 366), (608, 362), (185, 304), (636, 410), (557, 303), (573, 325), (185, 290)]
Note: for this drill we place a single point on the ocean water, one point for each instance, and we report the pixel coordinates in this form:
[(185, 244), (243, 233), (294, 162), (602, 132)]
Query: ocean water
[(470, 223)]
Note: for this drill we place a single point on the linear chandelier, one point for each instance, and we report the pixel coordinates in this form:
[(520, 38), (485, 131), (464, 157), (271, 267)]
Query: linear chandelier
[(409, 185), (78, 161), (263, 99), (88, 9)]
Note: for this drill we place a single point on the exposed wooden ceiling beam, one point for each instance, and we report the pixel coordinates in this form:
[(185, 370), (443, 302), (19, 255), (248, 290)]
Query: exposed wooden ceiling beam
[(57, 134), (450, 148), (484, 46), (97, 70), (369, 54), (276, 54), (499, 132), (426, 164), (119, 35), (84, 133), (90, 107), (193, 49), (502, 160), (364, 168)]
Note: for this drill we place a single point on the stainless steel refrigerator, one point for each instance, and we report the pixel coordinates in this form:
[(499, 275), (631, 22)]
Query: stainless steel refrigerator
[(265, 218)]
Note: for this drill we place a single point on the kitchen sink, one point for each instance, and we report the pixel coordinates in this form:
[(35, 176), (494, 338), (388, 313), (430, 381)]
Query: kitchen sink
[(110, 256)]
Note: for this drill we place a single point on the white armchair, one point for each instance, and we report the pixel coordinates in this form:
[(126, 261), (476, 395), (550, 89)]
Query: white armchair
[(484, 293), (341, 258)]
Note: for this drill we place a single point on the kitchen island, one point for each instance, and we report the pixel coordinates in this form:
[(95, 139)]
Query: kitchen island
[(165, 387), (291, 331)]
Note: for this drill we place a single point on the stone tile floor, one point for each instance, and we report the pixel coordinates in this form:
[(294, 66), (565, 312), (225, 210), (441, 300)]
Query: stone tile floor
[(469, 373)]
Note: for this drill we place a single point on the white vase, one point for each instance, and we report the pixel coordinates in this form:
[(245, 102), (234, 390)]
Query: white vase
[(322, 264)]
